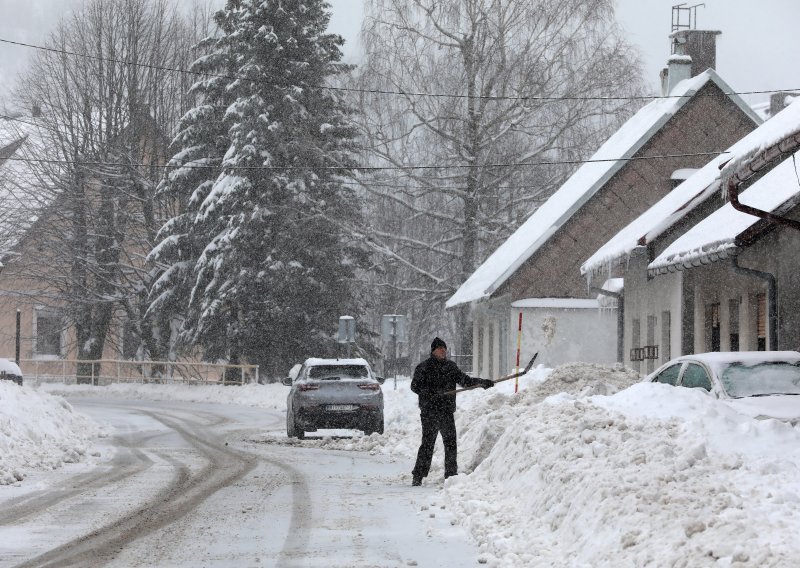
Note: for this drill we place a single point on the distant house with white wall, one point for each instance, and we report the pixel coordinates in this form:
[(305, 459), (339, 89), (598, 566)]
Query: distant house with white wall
[(702, 276), (536, 272)]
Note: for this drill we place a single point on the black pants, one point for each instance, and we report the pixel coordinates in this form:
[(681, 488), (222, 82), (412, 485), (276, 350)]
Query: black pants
[(432, 424)]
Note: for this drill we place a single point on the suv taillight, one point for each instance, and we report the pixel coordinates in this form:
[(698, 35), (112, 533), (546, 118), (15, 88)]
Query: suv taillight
[(370, 386)]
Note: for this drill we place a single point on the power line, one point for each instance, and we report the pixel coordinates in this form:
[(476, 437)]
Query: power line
[(364, 168), (376, 91)]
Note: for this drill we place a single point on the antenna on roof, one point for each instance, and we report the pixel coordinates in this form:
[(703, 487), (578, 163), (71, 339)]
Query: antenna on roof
[(685, 17)]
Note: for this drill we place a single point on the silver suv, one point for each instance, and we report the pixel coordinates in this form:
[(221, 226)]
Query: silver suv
[(334, 393)]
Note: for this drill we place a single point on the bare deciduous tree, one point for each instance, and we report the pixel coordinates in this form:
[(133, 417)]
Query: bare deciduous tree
[(103, 120), (491, 89)]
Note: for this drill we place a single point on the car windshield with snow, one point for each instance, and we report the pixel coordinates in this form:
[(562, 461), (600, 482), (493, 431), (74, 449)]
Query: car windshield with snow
[(334, 393), (762, 379), (762, 384)]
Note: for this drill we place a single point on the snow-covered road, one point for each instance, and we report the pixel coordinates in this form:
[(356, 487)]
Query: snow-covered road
[(198, 484)]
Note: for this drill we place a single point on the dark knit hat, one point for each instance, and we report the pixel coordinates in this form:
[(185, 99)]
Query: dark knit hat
[(436, 343)]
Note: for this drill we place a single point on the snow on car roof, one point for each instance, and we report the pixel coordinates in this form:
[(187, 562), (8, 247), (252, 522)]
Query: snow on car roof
[(9, 367), (316, 362), (746, 357)]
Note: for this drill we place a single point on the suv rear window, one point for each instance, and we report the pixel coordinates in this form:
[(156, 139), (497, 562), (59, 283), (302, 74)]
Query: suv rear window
[(338, 372)]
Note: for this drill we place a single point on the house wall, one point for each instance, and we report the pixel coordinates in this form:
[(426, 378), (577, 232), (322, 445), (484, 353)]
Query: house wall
[(18, 293), (490, 340), (736, 295), (551, 332), (787, 267), (687, 296), (565, 335), (775, 253), (654, 303), (718, 284)]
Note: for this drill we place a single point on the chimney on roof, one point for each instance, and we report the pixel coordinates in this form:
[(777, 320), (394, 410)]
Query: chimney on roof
[(693, 50), (679, 67), (780, 100), (36, 110), (700, 45)]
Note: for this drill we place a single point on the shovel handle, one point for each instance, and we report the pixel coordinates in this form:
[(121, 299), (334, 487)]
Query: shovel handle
[(500, 380)]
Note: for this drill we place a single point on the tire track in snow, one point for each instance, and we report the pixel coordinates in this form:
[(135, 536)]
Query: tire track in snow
[(185, 492)]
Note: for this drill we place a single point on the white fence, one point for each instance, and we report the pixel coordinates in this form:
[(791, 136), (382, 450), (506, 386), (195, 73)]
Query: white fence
[(107, 371)]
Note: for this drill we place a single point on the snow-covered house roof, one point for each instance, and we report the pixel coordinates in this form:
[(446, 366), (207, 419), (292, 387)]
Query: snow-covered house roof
[(683, 199), (714, 238), (581, 186)]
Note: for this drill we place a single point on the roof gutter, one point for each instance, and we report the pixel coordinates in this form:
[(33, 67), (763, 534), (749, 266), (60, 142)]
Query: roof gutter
[(764, 160)]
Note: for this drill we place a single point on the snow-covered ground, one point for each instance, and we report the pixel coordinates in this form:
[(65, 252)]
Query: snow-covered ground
[(583, 467)]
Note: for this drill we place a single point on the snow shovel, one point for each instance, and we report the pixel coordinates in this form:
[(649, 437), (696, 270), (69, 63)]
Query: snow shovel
[(500, 380)]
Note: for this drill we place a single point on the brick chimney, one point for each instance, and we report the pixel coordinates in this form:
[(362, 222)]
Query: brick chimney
[(700, 45), (779, 101), (693, 51)]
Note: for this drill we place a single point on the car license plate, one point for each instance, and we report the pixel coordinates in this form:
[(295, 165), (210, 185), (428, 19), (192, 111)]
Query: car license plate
[(341, 407)]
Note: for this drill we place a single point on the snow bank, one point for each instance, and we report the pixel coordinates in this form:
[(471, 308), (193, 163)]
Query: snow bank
[(39, 431), (652, 475)]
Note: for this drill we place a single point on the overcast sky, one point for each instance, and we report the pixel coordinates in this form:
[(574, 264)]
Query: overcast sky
[(757, 50)]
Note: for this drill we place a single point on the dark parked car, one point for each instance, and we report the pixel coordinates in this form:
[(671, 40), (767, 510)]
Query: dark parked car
[(334, 393), (10, 371), (761, 384)]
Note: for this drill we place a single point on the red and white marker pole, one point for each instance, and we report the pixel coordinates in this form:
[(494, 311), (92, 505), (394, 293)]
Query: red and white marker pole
[(519, 346)]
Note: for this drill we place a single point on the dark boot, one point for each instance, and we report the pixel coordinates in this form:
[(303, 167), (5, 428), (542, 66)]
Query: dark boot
[(416, 481)]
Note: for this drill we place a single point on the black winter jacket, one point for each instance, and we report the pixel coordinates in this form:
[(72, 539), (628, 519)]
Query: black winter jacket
[(432, 377)]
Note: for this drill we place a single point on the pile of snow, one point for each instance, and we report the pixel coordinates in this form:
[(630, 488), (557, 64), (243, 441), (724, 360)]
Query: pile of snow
[(39, 431), (652, 475), (585, 379)]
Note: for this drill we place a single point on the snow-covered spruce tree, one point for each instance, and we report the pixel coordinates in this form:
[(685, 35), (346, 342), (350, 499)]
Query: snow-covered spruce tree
[(275, 270), (202, 141)]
